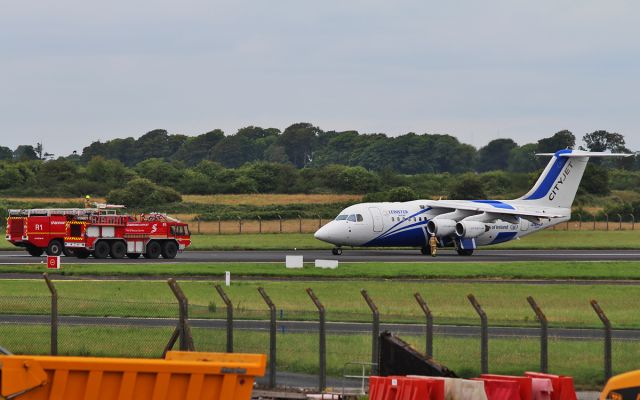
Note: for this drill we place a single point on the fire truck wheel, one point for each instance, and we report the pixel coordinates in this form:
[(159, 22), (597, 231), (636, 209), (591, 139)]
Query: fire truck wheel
[(55, 248), (169, 249), (82, 253), (101, 249), (69, 252), (35, 251), (133, 255), (153, 250), (118, 249)]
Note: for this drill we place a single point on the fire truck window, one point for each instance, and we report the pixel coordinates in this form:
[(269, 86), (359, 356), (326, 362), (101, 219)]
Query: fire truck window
[(180, 230), (172, 230), (186, 230), (76, 230)]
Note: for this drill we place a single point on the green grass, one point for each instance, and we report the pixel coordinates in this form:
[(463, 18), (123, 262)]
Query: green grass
[(547, 239), (580, 359), (584, 270), (505, 304)]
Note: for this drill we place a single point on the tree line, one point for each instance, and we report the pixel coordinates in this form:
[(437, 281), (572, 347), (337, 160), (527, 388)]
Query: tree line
[(159, 166)]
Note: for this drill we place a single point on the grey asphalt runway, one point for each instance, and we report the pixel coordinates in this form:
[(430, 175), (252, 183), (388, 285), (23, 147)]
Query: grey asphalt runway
[(332, 327), (21, 257)]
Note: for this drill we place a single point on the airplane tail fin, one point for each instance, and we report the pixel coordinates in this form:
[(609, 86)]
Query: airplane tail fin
[(558, 183)]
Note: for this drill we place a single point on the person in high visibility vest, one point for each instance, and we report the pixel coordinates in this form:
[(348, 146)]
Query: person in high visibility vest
[(87, 201), (433, 245)]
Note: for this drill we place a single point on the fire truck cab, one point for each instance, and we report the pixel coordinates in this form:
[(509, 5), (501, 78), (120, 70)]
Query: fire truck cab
[(100, 232)]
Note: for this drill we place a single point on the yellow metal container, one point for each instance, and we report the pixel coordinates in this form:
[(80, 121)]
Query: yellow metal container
[(181, 375), (622, 387)]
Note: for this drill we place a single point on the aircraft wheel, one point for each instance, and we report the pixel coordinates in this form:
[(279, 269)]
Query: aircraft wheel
[(336, 251), (462, 252)]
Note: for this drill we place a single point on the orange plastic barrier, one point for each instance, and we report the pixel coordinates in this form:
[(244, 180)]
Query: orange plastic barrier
[(524, 381), (405, 388), (563, 388), (182, 375), (501, 389)]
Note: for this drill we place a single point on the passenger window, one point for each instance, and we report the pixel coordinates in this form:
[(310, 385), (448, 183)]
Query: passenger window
[(359, 217), (392, 219), (352, 218)]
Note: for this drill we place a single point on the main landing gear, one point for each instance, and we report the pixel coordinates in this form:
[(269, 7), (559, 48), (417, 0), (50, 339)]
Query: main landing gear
[(336, 251)]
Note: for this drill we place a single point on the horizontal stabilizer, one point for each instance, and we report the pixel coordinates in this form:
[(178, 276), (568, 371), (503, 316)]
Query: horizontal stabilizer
[(581, 153)]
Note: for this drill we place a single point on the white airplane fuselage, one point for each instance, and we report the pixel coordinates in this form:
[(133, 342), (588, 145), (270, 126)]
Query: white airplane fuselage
[(405, 225)]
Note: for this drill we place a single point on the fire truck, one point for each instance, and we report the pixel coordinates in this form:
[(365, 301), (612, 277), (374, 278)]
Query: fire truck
[(99, 232)]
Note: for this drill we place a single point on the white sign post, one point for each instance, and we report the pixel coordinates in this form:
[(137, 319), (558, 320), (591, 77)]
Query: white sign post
[(227, 278)]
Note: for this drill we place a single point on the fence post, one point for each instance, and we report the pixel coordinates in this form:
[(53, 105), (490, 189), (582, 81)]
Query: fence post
[(198, 221), (544, 335), (429, 316), (375, 331), (183, 331), (594, 222), (319, 221), (322, 382), (272, 337), (484, 335), (239, 225), (619, 222), (54, 314), (606, 216), (280, 219), (607, 338), (219, 226), (566, 227), (633, 222), (300, 223), (579, 222), (259, 224), (229, 306)]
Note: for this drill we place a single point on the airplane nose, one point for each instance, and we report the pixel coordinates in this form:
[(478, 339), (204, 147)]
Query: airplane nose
[(322, 233)]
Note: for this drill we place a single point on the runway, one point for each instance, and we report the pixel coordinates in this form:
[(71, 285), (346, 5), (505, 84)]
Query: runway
[(21, 257)]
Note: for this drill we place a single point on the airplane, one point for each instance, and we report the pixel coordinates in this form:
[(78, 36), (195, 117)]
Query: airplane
[(464, 224)]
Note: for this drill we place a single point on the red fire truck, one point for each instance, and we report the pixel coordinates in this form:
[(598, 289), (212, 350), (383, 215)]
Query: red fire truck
[(100, 232)]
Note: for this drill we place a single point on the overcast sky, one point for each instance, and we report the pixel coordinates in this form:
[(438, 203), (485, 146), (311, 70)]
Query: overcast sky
[(76, 71)]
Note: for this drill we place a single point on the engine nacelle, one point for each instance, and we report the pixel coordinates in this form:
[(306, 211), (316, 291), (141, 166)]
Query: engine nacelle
[(470, 229), (441, 227)]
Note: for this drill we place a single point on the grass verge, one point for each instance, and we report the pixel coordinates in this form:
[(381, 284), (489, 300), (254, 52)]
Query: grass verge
[(505, 304), (580, 359)]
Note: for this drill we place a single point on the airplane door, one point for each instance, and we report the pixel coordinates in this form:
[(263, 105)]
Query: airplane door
[(377, 218), (524, 224)]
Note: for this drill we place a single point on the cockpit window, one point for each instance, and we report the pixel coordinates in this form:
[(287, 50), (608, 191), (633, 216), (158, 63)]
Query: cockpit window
[(341, 217), (352, 218), (359, 216)]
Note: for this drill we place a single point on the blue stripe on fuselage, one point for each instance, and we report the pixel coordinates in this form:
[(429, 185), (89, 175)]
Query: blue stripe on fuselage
[(392, 231), (504, 237), (409, 237)]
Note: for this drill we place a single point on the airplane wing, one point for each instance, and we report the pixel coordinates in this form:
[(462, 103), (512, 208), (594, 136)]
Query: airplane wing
[(495, 208)]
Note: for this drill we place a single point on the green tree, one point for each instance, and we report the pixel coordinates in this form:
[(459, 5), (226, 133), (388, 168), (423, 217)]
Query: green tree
[(357, 180), (595, 180), (5, 153), (467, 187), (559, 141), (523, 159), (25, 153), (141, 192), (233, 151), (603, 141), (198, 148), (495, 155), (160, 171), (299, 142), (401, 193)]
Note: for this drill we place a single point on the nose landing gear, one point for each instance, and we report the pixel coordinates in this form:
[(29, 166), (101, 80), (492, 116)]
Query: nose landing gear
[(336, 251)]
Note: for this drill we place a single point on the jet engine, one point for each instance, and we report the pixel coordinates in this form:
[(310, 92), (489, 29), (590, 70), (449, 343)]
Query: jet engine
[(441, 227), (470, 229)]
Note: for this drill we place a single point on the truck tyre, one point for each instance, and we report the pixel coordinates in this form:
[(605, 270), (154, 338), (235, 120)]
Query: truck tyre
[(118, 249), (55, 248), (153, 250), (133, 255), (101, 249), (35, 251), (82, 253), (69, 252), (169, 249)]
